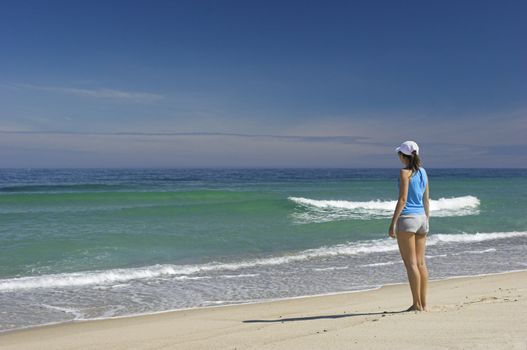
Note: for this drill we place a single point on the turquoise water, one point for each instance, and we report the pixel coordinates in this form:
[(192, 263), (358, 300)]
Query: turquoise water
[(81, 244)]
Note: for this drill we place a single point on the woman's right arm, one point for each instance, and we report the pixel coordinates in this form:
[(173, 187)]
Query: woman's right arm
[(401, 202)]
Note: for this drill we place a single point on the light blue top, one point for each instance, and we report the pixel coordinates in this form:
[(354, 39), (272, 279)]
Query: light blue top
[(416, 189)]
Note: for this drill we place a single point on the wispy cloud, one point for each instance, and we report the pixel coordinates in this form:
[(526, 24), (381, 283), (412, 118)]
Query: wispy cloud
[(294, 138), (139, 97)]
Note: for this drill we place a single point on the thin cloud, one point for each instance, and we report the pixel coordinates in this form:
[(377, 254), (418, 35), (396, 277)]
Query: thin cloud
[(140, 97), (294, 138)]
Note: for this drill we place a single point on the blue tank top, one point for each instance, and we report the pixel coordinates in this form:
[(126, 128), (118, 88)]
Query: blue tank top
[(416, 189)]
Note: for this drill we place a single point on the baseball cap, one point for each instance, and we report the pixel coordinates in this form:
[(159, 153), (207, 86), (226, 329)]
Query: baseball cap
[(408, 147)]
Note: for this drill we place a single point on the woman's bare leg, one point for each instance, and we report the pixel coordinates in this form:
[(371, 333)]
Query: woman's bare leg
[(420, 247), (406, 241)]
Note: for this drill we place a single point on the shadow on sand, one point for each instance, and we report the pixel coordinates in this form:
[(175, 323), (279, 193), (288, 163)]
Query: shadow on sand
[(320, 317)]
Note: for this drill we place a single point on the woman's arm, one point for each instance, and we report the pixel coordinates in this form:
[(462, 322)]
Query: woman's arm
[(426, 201), (401, 202)]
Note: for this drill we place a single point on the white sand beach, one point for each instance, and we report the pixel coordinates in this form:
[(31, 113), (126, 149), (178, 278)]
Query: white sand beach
[(486, 312)]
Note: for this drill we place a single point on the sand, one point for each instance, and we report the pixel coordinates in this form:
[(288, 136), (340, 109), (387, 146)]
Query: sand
[(486, 312)]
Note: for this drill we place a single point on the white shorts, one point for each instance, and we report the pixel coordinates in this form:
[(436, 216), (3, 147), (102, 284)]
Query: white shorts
[(412, 223)]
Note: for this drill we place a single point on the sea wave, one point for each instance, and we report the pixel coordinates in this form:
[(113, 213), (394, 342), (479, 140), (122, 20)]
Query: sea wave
[(314, 211), (381, 264), (58, 188), (490, 250), (107, 201), (331, 268), (183, 272)]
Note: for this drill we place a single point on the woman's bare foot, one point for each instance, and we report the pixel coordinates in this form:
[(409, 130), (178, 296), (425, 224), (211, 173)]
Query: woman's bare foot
[(415, 308)]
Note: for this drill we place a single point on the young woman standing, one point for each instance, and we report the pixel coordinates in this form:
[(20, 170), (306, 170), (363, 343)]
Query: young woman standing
[(410, 221)]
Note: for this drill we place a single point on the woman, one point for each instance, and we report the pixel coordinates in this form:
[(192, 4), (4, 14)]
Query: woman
[(410, 221)]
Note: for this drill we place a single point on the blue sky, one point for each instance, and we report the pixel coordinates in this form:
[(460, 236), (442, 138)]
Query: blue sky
[(262, 83)]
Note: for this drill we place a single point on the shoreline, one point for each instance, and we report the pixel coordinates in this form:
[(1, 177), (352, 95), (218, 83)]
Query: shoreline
[(153, 326), (250, 302)]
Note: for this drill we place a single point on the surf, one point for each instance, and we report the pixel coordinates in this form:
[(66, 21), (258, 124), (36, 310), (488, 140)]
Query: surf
[(314, 210), (183, 272)]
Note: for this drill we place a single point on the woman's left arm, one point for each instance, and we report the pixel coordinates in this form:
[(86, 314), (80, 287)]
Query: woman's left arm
[(426, 201), (401, 202)]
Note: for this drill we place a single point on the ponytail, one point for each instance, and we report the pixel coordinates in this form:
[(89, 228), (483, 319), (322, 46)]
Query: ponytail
[(414, 162)]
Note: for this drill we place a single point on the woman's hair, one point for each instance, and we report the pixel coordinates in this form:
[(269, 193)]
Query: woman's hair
[(414, 162)]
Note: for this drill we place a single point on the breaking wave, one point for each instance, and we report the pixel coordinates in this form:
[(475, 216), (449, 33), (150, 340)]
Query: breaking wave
[(183, 272), (313, 210)]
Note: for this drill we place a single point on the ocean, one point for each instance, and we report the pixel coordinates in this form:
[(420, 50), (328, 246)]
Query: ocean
[(79, 244)]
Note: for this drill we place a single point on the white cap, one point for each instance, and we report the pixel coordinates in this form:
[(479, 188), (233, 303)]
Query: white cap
[(408, 147)]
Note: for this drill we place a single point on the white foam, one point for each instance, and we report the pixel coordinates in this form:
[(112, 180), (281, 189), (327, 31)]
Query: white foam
[(473, 237), (436, 256), (330, 210), (188, 278), (342, 204), (185, 272), (490, 250), (77, 314), (243, 275), (332, 268), (215, 302), (381, 264)]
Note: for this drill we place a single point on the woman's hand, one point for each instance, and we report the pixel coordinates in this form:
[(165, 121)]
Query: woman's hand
[(391, 230)]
